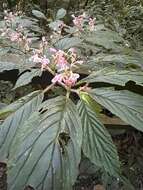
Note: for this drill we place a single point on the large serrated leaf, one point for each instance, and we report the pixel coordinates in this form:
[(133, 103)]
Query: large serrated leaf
[(113, 76), (97, 143), (105, 38), (49, 148), (10, 61), (27, 77), (6, 66), (124, 104), (119, 60), (21, 111), (16, 105), (67, 43)]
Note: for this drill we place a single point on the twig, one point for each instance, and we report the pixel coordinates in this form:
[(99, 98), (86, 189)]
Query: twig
[(48, 88)]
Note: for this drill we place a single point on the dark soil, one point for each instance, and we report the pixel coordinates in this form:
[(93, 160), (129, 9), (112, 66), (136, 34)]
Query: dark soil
[(3, 176)]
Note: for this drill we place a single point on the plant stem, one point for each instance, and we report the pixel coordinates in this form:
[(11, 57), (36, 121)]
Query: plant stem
[(50, 70), (68, 94), (48, 88), (75, 91)]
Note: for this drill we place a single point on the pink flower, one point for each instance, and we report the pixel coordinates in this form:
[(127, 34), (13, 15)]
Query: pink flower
[(44, 61), (91, 24), (15, 36), (36, 59), (64, 61), (62, 64), (44, 41), (60, 53), (57, 78), (79, 21), (69, 79), (74, 57), (52, 50), (61, 60)]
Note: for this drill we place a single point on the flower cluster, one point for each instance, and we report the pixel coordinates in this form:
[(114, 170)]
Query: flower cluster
[(38, 58), (79, 22), (91, 24), (14, 32), (64, 63), (38, 54), (65, 60), (66, 78), (61, 64)]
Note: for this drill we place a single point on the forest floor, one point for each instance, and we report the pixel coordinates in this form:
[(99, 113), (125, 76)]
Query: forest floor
[(130, 149)]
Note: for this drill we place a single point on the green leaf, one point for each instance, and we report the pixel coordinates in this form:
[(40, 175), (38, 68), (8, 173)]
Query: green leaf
[(13, 107), (27, 77), (113, 76), (61, 13), (11, 61), (2, 105), (105, 38), (124, 104), (97, 144), (49, 148), (39, 14), (6, 66), (91, 103), (67, 43), (21, 111), (120, 60)]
